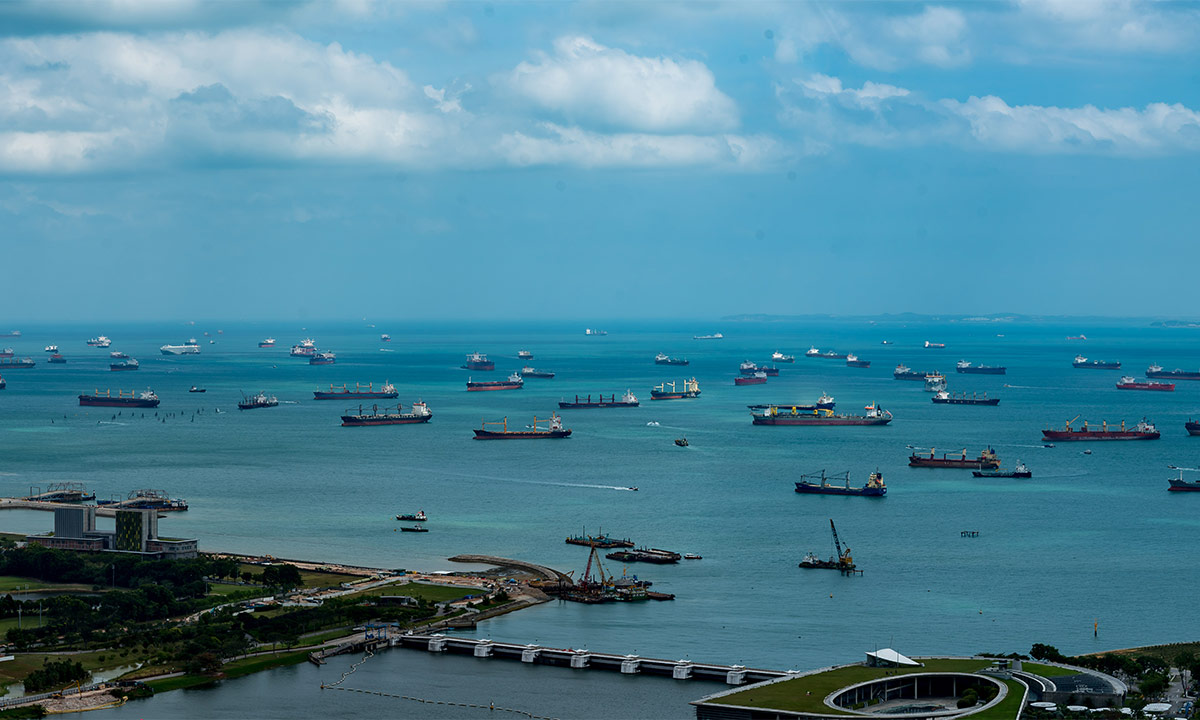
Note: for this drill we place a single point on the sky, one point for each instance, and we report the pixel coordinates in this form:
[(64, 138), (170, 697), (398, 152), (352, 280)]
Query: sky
[(177, 159)]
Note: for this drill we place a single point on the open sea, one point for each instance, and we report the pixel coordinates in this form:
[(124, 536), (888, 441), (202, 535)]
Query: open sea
[(1089, 539)]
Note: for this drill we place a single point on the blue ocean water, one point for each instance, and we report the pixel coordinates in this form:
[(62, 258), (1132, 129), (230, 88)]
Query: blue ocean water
[(1089, 538)]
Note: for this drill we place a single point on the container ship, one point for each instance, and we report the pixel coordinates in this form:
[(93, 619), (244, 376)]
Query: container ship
[(16, 363), (904, 372), (602, 541), (853, 361), (809, 485), (306, 348), (56, 359), (663, 359), (1142, 431), (987, 460), (1082, 362), (969, 368), (191, 347), (945, 398), (100, 341), (794, 415), (1130, 383), (669, 391), (123, 365), (627, 400), (553, 430), (261, 400), (514, 382), (145, 399), (387, 391), (478, 361), (757, 378), (322, 358), (535, 373), (266, 342), (389, 416), (1156, 371), (780, 357), (647, 555), (1179, 484)]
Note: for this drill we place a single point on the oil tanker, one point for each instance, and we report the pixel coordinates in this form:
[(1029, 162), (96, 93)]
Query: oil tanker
[(1082, 362), (478, 361), (1129, 383), (1142, 431), (627, 400), (797, 415), (669, 391), (757, 378), (1156, 371), (514, 382), (390, 416), (134, 399), (904, 372), (970, 368), (945, 398), (388, 391), (553, 430), (853, 361), (987, 460)]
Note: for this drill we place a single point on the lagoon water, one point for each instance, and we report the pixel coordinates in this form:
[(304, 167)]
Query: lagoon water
[(1090, 538)]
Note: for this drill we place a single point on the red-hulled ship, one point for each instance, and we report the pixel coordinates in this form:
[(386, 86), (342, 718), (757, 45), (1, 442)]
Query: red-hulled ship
[(478, 361), (987, 460), (757, 378), (627, 400), (266, 342), (669, 391), (799, 415), (553, 430), (359, 392), (514, 382), (1142, 431), (390, 416), (145, 399), (1130, 383)]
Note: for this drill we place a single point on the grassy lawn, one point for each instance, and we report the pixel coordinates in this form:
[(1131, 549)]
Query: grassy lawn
[(1009, 708), (311, 578), (324, 637), (235, 669), (1165, 652), (177, 683), (10, 583), (791, 695), (1049, 671), (24, 663), (431, 593)]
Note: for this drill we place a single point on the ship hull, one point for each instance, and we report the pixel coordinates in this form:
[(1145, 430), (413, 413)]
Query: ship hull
[(968, 464), (749, 381), (982, 370), (858, 363), (782, 420), (367, 420), (671, 362), (1184, 486), (814, 489), (1174, 374), (543, 375), (318, 395), (580, 405), (966, 401), (1099, 435), (94, 401), (488, 387), (1193, 428), (1161, 387), (122, 368), (19, 365), (479, 366), (522, 435), (1097, 366), (672, 395)]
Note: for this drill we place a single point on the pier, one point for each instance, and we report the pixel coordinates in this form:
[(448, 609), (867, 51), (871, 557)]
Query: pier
[(22, 504)]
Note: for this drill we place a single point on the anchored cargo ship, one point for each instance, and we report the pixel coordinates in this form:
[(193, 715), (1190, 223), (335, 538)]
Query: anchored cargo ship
[(322, 358), (945, 398), (819, 485), (747, 367), (1192, 427), (780, 357), (825, 402), (903, 372), (524, 355), (478, 361), (1129, 383), (935, 346), (1142, 431), (123, 365), (770, 370), (553, 430), (1180, 485), (514, 382), (266, 342), (627, 400), (191, 347), (969, 368), (1020, 471), (663, 359), (1156, 371), (145, 399), (714, 336), (935, 382), (389, 416), (100, 341), (306, 348), (669, 391), (797, 415), (387, 391), (535, 373), (853, 361), (16, 364), (56, 359), (261, 400), (1082, 362), (987, 460), (757, 378)]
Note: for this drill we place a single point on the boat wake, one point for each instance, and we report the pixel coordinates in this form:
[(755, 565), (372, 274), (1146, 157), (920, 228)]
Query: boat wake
[(109, 422), (289, 402), (493, 478)]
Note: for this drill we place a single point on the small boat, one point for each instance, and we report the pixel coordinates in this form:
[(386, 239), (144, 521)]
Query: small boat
[(1020, 471), (197, 389), (632, 489), (418, 517), (1087, 452), (1047, 445), (681, 442), (885, 342), (692, 556), (413, 528)]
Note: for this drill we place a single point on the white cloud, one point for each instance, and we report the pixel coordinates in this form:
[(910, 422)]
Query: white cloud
[(558, 145), (1111, 25), (936, 35), (592, 84)]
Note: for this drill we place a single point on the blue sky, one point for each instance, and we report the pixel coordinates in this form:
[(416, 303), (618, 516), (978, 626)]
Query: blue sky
[(178, 159)]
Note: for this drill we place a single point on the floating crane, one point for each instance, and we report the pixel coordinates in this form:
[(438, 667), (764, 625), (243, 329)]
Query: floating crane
[(845, 561)]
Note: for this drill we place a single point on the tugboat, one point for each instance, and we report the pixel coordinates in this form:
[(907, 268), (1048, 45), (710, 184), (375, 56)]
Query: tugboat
[(554, 430), (1127, 382), (874, 487), (967, 367), (843, 562), (1192, 427), (123, 365), (420, 414), (681, 442), (627, 400), (903, 372), (1084, 363), (514, 382), (56, 359), (387, 392), (322, 358), (796, 415), (668, 391), (261, 400), (535, 373), (780, 357), (146, 399), (418, 517), (1179, 484), (1156, 371), (478, 361), (757, 378), (1020, 471), (935, 382), (524, 355), (100, 342), (853, 361), (987, 460), (266, 342), (1142, 431), (945, 398), (663, 359)]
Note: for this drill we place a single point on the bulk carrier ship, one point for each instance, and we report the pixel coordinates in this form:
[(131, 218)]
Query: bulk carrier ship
[(627, 400), (386, 392), (390, 416), (554, 430), (987, 460), (798, 415), (514, 382), (669, 391), (146, 399), (1142, 431)]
